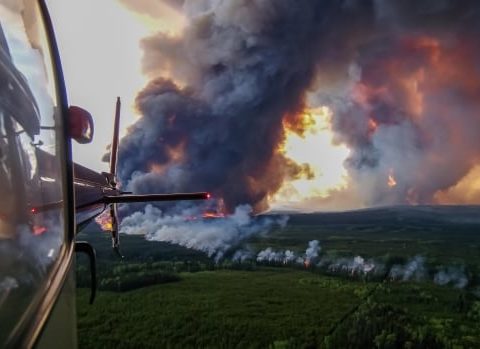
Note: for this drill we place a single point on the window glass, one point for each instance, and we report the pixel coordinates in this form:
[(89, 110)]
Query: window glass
[(32, 227)]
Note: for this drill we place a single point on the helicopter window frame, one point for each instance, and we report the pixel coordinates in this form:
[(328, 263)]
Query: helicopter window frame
[(35, 316)]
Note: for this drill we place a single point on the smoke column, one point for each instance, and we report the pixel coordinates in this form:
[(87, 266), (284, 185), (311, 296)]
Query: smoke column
[(244, 67), (312, 250), (401, 79)]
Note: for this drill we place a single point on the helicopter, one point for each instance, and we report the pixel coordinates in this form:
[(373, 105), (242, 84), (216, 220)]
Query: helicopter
[(46, 197)]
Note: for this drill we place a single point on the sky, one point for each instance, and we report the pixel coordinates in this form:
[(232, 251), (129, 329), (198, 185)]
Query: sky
[(100, 53), (317, 109)]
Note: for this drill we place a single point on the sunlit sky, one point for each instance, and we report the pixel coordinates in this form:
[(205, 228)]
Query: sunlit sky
[(101, 57)]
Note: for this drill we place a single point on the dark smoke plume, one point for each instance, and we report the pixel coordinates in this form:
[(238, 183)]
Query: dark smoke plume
[(246, 65), (401, 77)]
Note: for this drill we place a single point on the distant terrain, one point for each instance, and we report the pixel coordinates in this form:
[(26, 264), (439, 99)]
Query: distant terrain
[(386, 278)]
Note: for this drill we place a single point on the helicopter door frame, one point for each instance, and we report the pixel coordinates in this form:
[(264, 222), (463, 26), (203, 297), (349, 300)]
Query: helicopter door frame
[(34, 328)]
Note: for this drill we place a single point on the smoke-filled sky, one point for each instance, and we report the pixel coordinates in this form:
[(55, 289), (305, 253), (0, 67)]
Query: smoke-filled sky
[(312, 105)]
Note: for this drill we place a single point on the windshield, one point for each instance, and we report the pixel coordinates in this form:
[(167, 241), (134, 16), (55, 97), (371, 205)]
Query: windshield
[(32, 228)]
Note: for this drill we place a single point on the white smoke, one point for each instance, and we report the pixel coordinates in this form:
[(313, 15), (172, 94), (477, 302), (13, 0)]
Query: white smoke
[(213, 237), (7, 284), (414, 270), (451, 275), (241, 256), (269, 255), (25, 261), (216, 237), (312, 251), (353, 266), (289, 256)]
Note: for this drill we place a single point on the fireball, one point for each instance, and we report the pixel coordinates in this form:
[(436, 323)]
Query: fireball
[(310, 143)]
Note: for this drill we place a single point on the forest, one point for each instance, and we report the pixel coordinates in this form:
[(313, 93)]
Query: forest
[(166, 295)]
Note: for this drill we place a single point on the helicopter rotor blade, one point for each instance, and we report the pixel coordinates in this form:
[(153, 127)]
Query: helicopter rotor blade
[(116, 132), (115, 230)]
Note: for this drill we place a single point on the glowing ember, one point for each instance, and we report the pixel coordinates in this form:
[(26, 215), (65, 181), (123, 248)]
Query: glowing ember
[(216, 212), (309, 143), (372, 126), (39, 230), (213, 215), (104, 220), (206, 215), (215, 209), (391, 179)]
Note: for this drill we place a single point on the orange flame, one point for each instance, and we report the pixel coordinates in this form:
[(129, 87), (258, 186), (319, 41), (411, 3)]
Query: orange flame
[(392, 182), (309, 144), (104, 220), (217, 212), (372, 126), (212, 215), (39, 230)]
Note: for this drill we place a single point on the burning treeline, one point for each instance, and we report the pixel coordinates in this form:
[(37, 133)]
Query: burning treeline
[(414, 269), (383, 94)]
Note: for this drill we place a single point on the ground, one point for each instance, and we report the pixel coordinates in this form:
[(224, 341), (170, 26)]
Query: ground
[(163, 295)]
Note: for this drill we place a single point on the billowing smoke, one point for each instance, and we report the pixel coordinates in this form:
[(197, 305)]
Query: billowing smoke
[(404, 95), (356, 266), (242, 66), (7, 284), (289, 256), (312, 250), (26, 260), (269, 255), (451, 276), (400, 77), (213, 237), (414, 270), (352, 266), (241, 256)]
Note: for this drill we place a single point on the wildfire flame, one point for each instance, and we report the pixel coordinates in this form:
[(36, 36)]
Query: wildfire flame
[(372, 126), (39, 230), (104, 220), (391, 179), (216, 212), (309, 142), (213, 215)]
